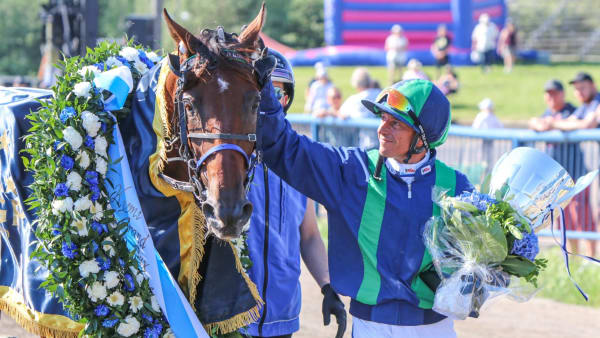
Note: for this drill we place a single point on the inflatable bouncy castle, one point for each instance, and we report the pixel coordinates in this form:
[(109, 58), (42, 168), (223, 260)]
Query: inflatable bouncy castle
[(355, 30)]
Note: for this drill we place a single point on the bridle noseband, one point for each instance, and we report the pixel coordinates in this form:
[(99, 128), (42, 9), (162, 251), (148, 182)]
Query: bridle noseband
[(195, 184)]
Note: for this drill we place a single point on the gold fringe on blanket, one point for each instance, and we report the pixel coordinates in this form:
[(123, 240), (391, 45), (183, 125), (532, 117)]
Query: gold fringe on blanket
[(42, 324), (191, 223)]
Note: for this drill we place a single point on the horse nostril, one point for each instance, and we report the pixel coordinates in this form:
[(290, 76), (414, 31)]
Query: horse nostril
[(246, 212), (208, 210)]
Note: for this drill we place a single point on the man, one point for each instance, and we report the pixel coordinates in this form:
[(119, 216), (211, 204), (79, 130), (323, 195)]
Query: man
[(361, 81), (441, 47), (377, 205), (283, 226), (484, 41), (588, 114), (396, 45)]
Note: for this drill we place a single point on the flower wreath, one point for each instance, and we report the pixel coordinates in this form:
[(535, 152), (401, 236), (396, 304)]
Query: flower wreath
[(97, 278)]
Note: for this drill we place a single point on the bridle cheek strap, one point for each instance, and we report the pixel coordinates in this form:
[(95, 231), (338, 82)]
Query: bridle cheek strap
[(221, 147)]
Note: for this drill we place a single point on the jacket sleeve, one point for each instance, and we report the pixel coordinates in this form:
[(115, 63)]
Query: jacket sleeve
[(462, 183), (319, 171)]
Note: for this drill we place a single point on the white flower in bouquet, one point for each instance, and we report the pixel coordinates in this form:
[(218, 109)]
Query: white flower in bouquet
[(153, 57), (74, 181), (82, 89), (59, 206), (84, 159), (81, 226), (101, 166), (140, 66), (108, 247), (72, 137), (83, 203), (91, 123), (111, 279), (115, 299), (129, 327), (97, 211), (154, 303), (169, 334), (113, 62), (129, 53), (100, 146), (87, 267), (96, 292), (88, 69), (136, 303)]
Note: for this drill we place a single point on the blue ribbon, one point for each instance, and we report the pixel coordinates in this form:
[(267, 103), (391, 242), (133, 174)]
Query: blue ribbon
[(112, 82), (563, 247)]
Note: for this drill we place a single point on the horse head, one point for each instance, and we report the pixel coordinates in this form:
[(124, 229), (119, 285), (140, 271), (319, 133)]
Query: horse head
[(213, 94)]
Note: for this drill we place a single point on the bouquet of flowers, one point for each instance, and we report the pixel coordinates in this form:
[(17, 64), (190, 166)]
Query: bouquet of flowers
[(484, 245)]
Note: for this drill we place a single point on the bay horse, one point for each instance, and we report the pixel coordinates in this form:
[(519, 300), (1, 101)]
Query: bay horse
[(213, 95)]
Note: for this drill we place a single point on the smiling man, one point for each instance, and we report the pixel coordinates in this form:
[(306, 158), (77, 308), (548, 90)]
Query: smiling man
[(377, 205)]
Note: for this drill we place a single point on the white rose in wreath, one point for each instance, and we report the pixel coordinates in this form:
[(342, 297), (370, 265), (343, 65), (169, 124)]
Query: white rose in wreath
[(140, 66), (113, 62), (72, 136), (91, 123), (88, 69), (83, 203), (84, 159), (100, 146), (96, 292), (74, 181), (129, 53), (108, 247), (82, 89), (111, 279), (59, 206), (101, 166), (87, 267), (153, 57), (129, 327)]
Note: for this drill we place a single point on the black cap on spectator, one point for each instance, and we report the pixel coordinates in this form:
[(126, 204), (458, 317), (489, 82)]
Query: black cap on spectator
[(553, 85), (581, 77)]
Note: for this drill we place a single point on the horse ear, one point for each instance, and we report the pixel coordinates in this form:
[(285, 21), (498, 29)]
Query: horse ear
[(251, 34), (181, 36)]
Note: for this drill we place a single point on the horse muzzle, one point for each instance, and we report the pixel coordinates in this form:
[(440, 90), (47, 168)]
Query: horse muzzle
[(227, 220)]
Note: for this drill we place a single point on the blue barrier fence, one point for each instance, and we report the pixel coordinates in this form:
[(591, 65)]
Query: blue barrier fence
[(474, 152)]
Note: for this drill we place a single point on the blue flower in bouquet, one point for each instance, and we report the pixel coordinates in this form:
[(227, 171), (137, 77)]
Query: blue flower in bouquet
[(91, 177), (66, 114), (103, 263), (68, 250), (99, 227), (129, 283), (527, 247), (61, 190), (479, 200), (110, 322), (55, 232), (67, 162), (101, 310), (89, 142)]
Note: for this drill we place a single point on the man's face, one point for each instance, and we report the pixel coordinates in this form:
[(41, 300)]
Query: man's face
[(284, 98), (334, 98), (584, 91), (555, 99), (394, 137)]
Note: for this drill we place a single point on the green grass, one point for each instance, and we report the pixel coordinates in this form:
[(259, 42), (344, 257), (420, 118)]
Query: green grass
[(517, 96), (554, 281)]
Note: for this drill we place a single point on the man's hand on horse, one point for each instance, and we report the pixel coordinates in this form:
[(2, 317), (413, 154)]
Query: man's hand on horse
[(333, 305)]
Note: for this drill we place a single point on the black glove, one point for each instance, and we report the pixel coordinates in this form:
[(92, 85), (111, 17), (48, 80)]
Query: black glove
[(268, 102), (333, 304)]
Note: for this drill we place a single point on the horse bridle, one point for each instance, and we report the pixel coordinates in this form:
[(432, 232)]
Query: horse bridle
[(262, 69)]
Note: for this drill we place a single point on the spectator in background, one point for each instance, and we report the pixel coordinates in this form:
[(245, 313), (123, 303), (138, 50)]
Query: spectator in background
[(448, 82), (353, 108), (588, 114), (441, 47), (486, 119), (568, 155), (334, 101), (395, 46), (507, 45), (316, 99), (484, 42), (414, 70)]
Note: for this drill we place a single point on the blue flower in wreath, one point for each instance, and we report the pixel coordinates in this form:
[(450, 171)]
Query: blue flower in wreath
[(89, 142), (66, 114), (99, 227), (61, 190), (101, 310), (103, 263), (103, 127), (68, 250), (129, 283), (110, 322), (91, 177), (527, 247), (153, 332), (94, 246), (145, 59), (67, 162), (95, 193), (123, 61), (55, 232), (100, 66), (121, 262), (147, 318)]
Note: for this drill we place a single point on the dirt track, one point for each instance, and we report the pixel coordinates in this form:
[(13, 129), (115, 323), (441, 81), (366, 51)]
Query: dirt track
[(538, 318)]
